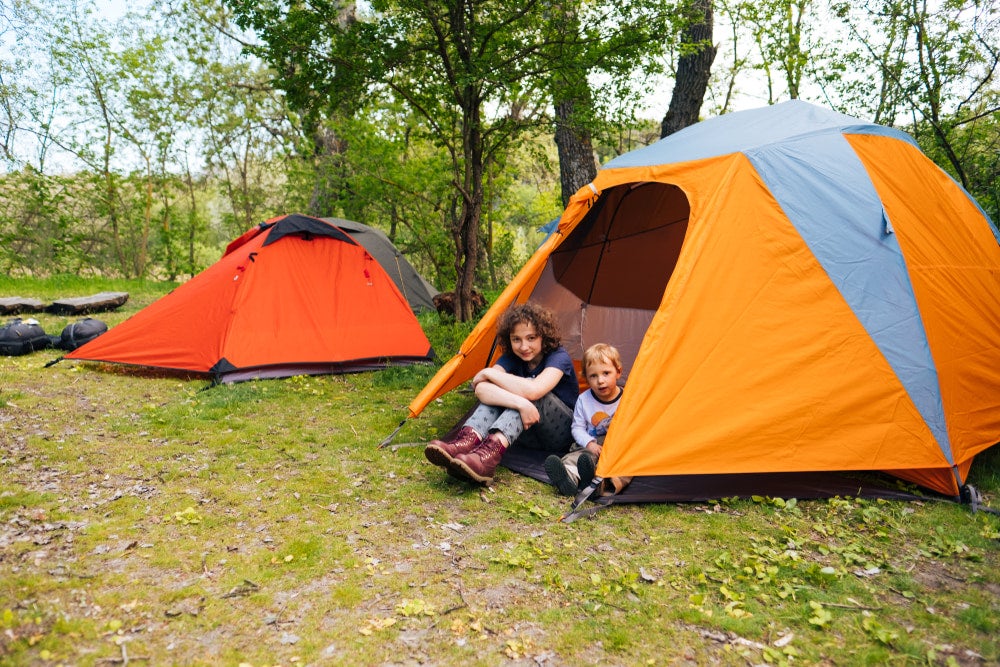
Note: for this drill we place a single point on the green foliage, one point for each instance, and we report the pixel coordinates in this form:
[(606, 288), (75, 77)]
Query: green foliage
[(460, 85), (881, 633), (976, 140), (51, 225), (820, 617), (178, 141)]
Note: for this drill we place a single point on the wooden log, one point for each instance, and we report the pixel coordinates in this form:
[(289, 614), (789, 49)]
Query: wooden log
[(88, 304), (12, 305)]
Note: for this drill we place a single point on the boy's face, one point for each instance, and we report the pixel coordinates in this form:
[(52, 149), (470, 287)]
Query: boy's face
[(602, 378), (526, 343)]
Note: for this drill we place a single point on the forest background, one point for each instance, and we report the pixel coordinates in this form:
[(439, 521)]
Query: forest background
[(137, 140)]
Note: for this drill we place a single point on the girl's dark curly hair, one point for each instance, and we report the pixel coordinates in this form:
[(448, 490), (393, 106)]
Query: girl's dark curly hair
[(535, 315)]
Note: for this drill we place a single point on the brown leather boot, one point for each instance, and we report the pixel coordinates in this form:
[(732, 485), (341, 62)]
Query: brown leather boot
[(479, 464), (441, 452)]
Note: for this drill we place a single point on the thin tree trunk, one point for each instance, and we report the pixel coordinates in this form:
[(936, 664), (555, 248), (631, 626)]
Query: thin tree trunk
[(467, 255), (328, 147), (574, 105), (577, 165), (192, 218), (693, 70)]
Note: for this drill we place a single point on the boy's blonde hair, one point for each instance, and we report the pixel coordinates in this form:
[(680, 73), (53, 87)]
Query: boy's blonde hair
[(602, 352)]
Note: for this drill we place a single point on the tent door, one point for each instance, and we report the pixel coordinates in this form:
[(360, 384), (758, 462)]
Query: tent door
[(605, 281)]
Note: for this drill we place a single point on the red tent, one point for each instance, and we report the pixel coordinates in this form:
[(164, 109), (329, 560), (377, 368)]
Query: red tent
[(296, 295)]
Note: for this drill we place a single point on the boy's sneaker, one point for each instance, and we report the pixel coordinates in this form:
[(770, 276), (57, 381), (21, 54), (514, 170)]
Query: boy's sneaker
[(559, 476), (586, 465)]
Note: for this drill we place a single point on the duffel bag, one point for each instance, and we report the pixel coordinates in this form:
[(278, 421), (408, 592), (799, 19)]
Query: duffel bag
[(19, 337), (76, 334)]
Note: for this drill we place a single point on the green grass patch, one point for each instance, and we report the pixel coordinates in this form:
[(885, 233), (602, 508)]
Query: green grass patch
[(260, 523)]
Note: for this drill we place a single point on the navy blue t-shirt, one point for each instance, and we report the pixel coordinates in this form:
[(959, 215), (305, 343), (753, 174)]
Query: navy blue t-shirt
[(568, 388)]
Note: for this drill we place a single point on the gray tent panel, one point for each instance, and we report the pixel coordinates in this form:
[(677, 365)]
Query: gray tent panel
[(417, 290)]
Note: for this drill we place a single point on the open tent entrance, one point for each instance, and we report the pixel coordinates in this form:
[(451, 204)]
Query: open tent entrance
[(605, 281)]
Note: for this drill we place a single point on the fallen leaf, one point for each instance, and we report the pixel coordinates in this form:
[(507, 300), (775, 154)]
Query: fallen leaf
[(373, 624)]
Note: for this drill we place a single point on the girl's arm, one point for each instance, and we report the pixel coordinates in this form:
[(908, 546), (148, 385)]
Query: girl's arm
[(491, 394), (529, 388)]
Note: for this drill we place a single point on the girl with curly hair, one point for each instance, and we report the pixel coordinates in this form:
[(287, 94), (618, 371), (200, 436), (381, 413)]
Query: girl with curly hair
[(527, 398)]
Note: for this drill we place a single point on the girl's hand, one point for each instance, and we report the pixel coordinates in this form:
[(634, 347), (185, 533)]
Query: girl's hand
[(529, 414), (482, 376)]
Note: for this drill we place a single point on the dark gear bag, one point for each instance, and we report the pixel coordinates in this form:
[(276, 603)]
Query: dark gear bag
[(77, 333), (19, 337)]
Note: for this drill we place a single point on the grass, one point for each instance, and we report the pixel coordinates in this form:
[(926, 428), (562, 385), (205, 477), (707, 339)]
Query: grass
[(146, 521)]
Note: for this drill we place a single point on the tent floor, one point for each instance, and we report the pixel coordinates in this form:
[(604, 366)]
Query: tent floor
[(702, 488)]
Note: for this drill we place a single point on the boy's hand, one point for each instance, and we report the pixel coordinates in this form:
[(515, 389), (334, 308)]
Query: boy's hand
[(594, 448)]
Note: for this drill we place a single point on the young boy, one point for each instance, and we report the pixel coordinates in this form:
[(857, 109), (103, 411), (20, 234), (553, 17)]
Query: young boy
[(602, 368)]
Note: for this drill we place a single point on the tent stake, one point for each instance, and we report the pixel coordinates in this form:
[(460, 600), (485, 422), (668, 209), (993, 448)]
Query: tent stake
[(392, 435)]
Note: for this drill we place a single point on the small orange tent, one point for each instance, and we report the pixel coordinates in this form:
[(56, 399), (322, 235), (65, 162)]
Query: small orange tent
[(793, 290), (295, 295)]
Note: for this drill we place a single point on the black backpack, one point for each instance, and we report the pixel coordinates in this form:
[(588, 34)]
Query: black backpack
[(76, 334), (19, 337)]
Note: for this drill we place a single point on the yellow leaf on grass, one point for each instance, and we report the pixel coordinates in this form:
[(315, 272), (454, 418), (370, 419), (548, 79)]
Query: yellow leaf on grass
[(373, 624), (415, 608)]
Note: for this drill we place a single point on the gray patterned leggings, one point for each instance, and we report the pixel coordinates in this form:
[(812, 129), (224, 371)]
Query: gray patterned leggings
[(551, 433)]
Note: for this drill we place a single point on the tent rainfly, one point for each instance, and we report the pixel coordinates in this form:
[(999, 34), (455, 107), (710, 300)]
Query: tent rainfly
[(295, 295), (793, 290), (417, 290)]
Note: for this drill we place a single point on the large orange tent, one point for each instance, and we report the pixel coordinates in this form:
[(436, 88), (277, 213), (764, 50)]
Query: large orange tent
[(295, 295), (792, 289)]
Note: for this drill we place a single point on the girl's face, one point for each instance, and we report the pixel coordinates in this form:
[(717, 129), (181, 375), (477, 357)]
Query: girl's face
[(602, 377), (526, 343)]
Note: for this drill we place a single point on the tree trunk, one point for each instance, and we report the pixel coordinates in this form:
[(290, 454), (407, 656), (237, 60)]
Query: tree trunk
[(467, 246), (577, 165), (192, 220), (142, 249), (574, 106), (693, 70), (328, 146)]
